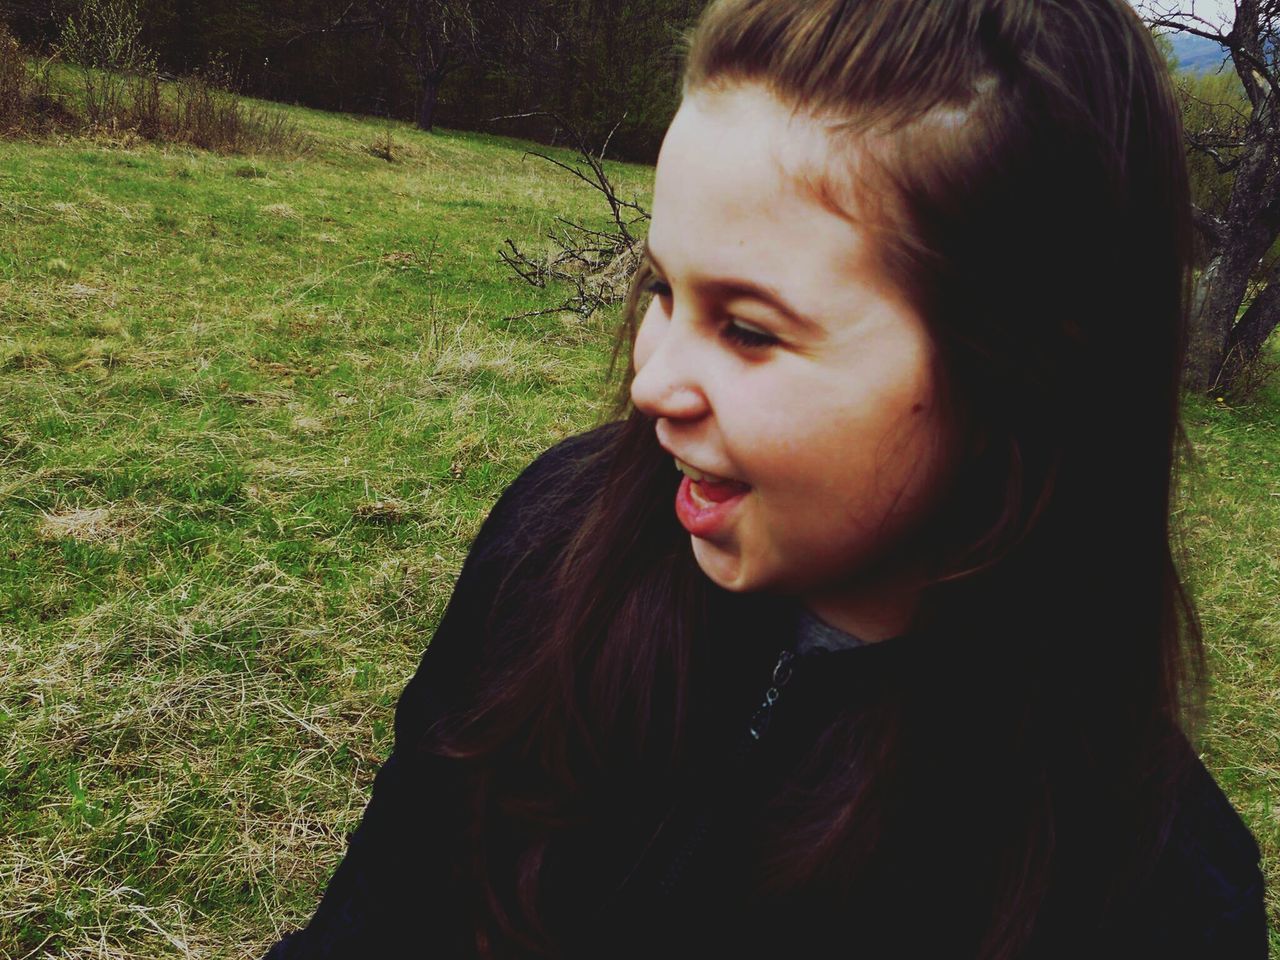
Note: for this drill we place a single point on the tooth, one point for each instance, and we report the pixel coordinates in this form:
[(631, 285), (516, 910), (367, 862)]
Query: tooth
[(701, 501), (690, 471)]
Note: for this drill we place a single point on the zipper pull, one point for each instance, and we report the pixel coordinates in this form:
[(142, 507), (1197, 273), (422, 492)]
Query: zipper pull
[(764, 713)]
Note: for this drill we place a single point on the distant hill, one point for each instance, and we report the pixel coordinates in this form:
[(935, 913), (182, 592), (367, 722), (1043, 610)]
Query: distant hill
[(1200, 55), (1196, 53)]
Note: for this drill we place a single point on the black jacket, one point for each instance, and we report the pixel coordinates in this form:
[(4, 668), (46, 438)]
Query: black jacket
[(621, 892)]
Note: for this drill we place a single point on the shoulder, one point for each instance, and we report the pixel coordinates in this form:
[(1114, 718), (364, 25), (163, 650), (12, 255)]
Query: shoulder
[(1212, 854), (539, 501), (504, 573), (1208, 830), (1205, 898), (536, 516)]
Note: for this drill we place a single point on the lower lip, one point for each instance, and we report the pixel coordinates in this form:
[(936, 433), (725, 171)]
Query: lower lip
[(702, 521)]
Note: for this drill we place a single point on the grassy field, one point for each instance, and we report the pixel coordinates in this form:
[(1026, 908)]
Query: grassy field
[(251, 413)]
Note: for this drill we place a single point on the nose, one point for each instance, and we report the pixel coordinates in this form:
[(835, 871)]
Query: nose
[(666, 383)]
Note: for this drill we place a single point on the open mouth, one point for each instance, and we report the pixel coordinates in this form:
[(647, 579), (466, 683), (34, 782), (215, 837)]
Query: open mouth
[(705, 501), (708, 486), (696, 475)]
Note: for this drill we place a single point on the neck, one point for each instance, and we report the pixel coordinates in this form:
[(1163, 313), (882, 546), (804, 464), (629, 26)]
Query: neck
[(870, 610)]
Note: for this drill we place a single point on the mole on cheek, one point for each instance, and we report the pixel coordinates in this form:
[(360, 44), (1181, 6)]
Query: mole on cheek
[(917, 408)]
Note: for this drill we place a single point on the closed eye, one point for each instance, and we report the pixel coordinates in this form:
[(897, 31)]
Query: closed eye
[(748, 335), (738, 331)]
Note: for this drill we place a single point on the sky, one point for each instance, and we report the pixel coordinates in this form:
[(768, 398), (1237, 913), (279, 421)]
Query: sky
[(1219, 13)]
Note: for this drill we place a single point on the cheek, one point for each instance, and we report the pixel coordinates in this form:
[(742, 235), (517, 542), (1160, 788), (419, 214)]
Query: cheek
[(830, 469), (798, 477)]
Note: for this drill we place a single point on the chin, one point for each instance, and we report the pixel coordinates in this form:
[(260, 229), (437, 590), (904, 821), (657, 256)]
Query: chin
[(722, 565)]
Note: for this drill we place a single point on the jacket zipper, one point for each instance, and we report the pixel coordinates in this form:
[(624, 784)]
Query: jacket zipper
[(756, 729)]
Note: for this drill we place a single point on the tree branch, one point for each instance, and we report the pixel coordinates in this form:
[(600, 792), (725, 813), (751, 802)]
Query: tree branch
[(1209, 225), (597, 263)]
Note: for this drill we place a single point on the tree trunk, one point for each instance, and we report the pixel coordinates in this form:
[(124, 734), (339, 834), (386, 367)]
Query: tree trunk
[(430, 90), (1259, 321), (1244, 233), (1214, 302)]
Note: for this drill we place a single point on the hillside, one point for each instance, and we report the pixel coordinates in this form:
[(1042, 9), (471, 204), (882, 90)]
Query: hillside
[(252, 412), (1197, 54)]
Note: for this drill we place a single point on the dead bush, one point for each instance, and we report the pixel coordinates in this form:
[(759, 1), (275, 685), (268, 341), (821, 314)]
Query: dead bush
[(597, 264), (204, 109), (26, 104), (209, 113), (103, 38), (201, 111), (208, 116), (13, 80), (144, 108), (274, 133)]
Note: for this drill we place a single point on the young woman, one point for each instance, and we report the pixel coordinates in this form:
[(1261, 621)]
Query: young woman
[(896, 661)]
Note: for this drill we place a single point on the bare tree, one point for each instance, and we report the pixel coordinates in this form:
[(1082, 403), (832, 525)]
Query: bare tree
[(597, 264), (1245, 146), (436, 37)]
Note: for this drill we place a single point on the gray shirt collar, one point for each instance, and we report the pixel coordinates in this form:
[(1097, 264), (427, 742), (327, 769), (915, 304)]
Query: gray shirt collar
[(813, 634)]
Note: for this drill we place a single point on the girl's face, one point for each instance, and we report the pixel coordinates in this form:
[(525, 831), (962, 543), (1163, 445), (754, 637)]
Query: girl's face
[(773, 356)]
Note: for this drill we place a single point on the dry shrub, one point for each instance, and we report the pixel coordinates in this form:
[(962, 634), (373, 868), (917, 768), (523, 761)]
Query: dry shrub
[(145, 107), (26, 104), (103, 38), (206, 112), (209, 116), (203, 110), (383, 147), (598, 264), (13, 80), (1253, 378), (273, 132)]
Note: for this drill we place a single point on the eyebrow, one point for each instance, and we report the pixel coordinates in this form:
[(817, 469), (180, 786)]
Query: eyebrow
[(737, 286)]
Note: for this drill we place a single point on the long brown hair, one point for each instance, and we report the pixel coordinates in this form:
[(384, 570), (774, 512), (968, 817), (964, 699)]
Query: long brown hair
[(1031, 199)]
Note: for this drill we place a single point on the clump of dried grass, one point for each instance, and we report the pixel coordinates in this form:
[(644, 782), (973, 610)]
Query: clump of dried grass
[(85, 524)]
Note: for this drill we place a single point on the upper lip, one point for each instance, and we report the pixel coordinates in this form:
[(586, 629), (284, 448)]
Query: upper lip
[(713, 473)]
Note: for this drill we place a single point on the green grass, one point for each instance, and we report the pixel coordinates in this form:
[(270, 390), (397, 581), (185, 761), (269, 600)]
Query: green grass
[(252, 410), (1230, 509)]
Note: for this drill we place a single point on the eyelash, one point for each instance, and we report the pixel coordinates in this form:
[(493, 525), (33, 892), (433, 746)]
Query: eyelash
[(743, 336)]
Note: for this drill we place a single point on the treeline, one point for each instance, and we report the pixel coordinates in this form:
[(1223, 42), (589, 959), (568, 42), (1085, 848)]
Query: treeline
[(458, 63)]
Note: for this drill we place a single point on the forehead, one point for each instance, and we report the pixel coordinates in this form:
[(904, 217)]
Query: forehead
[(738, 188)]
